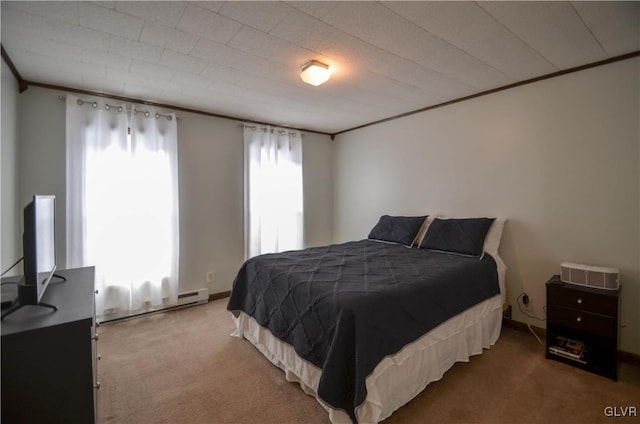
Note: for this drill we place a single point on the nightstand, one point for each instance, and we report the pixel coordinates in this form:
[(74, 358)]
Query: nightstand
[(582, 327)]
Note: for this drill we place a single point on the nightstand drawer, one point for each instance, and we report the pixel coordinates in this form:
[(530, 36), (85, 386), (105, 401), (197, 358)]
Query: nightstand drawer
[(583, 321), (583, 300)]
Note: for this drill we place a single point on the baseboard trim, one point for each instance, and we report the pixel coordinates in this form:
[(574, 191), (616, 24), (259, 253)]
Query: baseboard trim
[(522, 326), (221, 295), (626, 357), (629, 358)]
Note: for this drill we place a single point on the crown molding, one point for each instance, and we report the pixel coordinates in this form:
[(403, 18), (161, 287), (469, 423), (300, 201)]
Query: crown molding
[(22, 84), (495, 90)]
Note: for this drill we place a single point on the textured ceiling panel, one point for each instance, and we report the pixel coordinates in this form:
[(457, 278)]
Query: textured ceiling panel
[(166, 13), (243, 59), (109, 21), (168, 38), (615, 24), (553, 29), (257, 43), (208, 25), (471, 29), (260, 15)]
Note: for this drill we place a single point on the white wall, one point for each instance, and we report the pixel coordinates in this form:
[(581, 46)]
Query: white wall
[(211, 185), (317, 175), (559, 158), (10, 223), (41, 156)]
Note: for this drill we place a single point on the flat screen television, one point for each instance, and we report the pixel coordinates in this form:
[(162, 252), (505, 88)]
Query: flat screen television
[(39, 248), (38, 251)]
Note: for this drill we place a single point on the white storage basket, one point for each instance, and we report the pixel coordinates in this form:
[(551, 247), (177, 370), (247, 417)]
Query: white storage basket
[(590, 276)]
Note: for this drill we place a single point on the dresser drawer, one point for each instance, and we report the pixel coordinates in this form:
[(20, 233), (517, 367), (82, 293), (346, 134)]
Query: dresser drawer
[(582, 321), (583, 300)]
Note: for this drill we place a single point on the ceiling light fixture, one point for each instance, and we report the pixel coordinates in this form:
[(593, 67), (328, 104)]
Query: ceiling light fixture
[(315, 73)]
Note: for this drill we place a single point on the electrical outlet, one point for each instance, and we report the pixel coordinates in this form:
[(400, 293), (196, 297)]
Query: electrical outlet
[(211, 277), (526, 299)]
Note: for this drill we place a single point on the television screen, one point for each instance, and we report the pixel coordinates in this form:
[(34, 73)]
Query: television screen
[(45, 236), (39, 247)]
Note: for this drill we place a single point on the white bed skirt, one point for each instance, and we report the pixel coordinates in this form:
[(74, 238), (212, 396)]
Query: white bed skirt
[(398, 378)]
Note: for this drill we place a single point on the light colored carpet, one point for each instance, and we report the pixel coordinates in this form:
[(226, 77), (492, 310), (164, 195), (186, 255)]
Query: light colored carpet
[(184, 367)]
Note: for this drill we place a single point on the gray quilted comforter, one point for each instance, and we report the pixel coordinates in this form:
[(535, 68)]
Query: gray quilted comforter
[(344, 307)]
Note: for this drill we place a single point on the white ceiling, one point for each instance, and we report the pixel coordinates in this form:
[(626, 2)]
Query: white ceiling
[(242, 59)]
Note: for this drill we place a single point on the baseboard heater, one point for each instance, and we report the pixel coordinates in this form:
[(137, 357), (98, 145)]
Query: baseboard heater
[(193, 297)]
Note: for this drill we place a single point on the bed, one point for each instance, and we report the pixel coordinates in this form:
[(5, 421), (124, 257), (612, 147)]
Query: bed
[(364, 326)]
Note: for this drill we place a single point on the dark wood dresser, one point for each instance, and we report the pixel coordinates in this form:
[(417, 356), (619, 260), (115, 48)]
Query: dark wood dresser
[(582, 327), (49, 357)]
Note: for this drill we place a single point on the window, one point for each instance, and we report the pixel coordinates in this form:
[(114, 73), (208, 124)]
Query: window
[(273, 190), (122, 205)]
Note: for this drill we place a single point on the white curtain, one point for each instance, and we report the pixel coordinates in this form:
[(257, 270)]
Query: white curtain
[(273, 190), (122, 204)]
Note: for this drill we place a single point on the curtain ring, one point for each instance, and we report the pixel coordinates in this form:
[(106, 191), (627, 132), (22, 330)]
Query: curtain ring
[(146, 114), (80, 102), (107, 106), (94, 105), (157, 115)]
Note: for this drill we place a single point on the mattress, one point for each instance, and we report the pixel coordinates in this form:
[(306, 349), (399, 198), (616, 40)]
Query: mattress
[(397, 378), (344, 307)]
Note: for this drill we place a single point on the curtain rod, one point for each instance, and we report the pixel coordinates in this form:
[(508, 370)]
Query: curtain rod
[(107, 107), (281, 132)]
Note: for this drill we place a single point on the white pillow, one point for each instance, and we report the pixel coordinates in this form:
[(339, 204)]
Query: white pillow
[(493, 237), (423, 229)]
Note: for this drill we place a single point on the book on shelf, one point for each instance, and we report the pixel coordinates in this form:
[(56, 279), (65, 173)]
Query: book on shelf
[(567, 355), (569, 348)]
